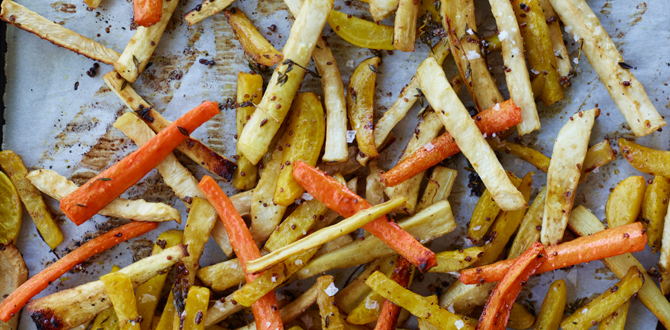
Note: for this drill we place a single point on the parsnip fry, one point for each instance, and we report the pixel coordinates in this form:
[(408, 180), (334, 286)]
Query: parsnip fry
[(560, 52), (625, 202), (283, 86), (438, 187), (404, 29), (342, 228), (551, 312), (451, 261), (265, 214), (196, 308), (485, 212), (249, 89), (374, 188), (531, 225), (206, 9), (563, 175), (57, 187), (441, 96), (617, 320), (13, 273), (25, 19), (119, 287), (255, 45), (381, 9), (360, 104), (351, 296), (598, 155), (516, 73), (654, 209), (464, 298), (221, 309), (330, 314), (626, 91)]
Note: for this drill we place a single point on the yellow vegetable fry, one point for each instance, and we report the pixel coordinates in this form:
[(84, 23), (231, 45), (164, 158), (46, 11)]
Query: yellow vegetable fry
[(199, 224), (10, 211), (520, 318), (528, 154), (438, 188), (360, 32), (149, 293), (617, 320), (306, 133), (421, 307), (368, 310), (654, 209), (206, 9), (451, 261), (564, 64), (334, 245), (255, 45), (404, 27), (223, 275), (107, 320), (291, 311), (505, 226), (485, 213), (584, 223), (605, 304), (430, 7), (360, 104), (598, 155), (537, 84), (12, 164), (625, 203), (464, 298), (249, 89), (531, 225), (330, 314), (493, 43), (196, 308), (539, 48), (551, 312), (647, 160), (265, 214), (348, 298), (119, 288), (326, 234)]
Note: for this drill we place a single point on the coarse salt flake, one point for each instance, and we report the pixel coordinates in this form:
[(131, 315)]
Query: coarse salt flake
[(306, 196), (371, 304), (534, 71), (477, 228), (470, 32), (514, 29), (575, 60), (233, 266), (557, 53), (596, 170), (473, 54), (298, 262), (350, 63), (459, 324), (503, 35), (515, 51), (576, 37), (274, 279), (496, 107), (331, 290), (450, 308), (585, 310), (268, 324), (568, 28), (219, 305), (148, 297), (351, 135), (485, 135), (429, 146)]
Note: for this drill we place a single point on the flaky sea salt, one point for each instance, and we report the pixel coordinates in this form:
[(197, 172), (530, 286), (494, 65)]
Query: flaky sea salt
[(534, 71), (268, 324), (306, 196), (331, 290), (233, 266), (515, 51), (350, 63), (585, 310), (450, 308), (575, 60), (472, 55), (429, 146), (470, 32), (503, 35), (568, 28), (298, 262), (371, 304), (477, 228), (147, 298), (351, 135), (496, 107), (459, 324)]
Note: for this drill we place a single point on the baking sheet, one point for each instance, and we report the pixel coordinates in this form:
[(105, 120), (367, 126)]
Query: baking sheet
[(54, 125)]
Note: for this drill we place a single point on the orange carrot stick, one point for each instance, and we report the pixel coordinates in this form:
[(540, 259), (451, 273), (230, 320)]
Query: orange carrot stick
[(497, 309), (489, 121), (603, 244), (388, 318), (340, 199), (266, 312), (94, 195), (147, 12), (15, 301)]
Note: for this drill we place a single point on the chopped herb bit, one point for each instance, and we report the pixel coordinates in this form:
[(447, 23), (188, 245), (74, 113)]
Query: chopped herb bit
[(374, 69), (105, 179)]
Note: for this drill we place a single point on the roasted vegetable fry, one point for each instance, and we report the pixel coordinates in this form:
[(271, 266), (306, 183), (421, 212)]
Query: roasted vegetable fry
[(107, 320), (360, 32), (598, 155), (404, 29), (463, 298), (13, 273), (196, 308), (485, 212), (584, 249), (223, 275), (147, 12), (286, 79), (528, 154), (291, 311), (330, 314), (560, 52), (565, 168), (451, 261), (381, 9), (647, 160), (249, 89), (221, 309), (306, 132), (520, 318), (265, 214), (390, 313), (531, 225), (119, 287), (605, 304), (374, 189), (367, 310), (206, 9), (438, 187), (10, 211), (360, 104), (350, 296), (12, 164), (551, 312), (654, 209), (255, 45), (625, 202)]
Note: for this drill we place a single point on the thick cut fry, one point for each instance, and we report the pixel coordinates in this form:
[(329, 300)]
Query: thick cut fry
[(598, 155), (626, 91), (306, 132), (485, 212), (330, 314), (565, 168), (249, 89), (13, 273), (582, 222), (223, 275), (617, 320), (528, 154), (12, 164), (654, 209), (11, 211), (15, 301), (87, 200), (147, 12), (647, 160), (625, 203), (429, 224), (119, 287), (283, 86), (539, 48), (255, 45), (605, 304), (192, 148), (451, 261), (360, 32), (560, 52), (404, 29), (360, 104), (531, 225), (369, 308), (438, 187), (422, 307), (141, 46), (196, 308), (265, 214), (664, 262), (467, 136), (353, 294), (516, 73), (25, 19), (106, 320), (402, 274), (333, 98), (458, 16), (490, 122), (381, 9), (609, 243), (551, 312), (337, 197), (206, 9)]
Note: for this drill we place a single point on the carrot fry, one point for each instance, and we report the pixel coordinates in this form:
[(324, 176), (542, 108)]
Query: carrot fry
[(499, 118), (101, 190), (266, 312), (388, 317), (337, 197), (497, 309), (147, 12), (15, 301), (604, 244)]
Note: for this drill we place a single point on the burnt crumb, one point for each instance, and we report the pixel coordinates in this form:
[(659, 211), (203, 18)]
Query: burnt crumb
[(209, 63), (144, 113), (93, 71), (161, 243), (228, 105), (198, 317), (76, 85), (475, 183), (272, 28)]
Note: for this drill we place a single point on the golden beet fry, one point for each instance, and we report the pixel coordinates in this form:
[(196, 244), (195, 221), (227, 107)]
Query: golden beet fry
[(360, 104), (254, 44), (625, 202), (249, 92)]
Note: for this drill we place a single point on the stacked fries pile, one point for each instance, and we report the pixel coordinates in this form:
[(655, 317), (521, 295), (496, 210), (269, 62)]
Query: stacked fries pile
[(296, 166)]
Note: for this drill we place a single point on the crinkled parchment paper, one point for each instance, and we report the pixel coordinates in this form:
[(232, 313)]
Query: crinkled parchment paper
[(54, 125)]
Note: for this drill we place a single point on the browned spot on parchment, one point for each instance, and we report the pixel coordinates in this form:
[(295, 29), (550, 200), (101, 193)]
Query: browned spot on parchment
[(606, 9), (640, 9), (141, 248), (64, 7)]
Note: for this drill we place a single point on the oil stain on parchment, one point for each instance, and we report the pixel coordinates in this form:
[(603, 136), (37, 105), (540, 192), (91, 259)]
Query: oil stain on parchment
[(64, 7)]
